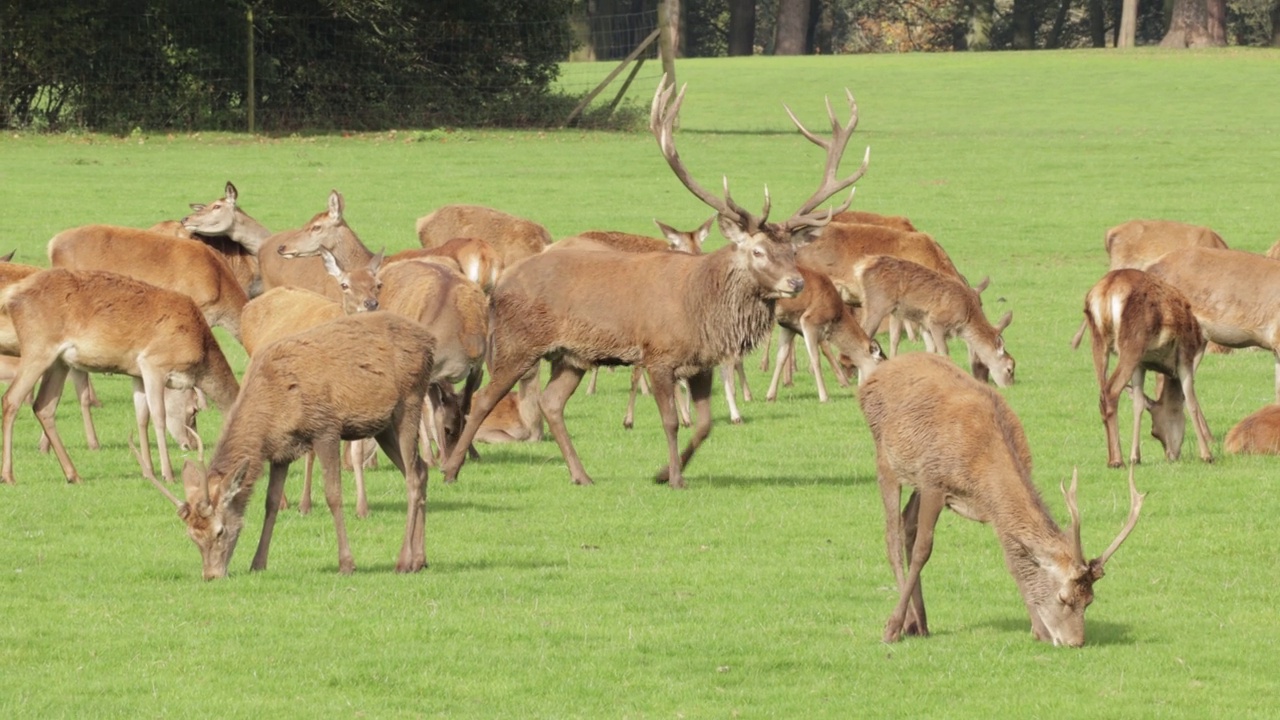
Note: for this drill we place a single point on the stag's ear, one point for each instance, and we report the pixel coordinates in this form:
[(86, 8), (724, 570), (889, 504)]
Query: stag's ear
[(732, 231), (1004, 321), (236, 483)]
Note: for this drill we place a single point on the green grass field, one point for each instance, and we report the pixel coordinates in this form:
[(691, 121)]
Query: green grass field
[(763, 589)]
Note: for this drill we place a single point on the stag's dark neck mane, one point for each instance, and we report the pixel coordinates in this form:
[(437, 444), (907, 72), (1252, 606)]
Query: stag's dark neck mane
[(734, 312)]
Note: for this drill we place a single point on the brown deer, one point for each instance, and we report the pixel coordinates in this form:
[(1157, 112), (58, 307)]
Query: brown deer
[(515, 238), (186, 266), (1235, 296), (1138, 243), (475, 258), (819, 315), (293, 257), (679, 315), (1257, 434), (863, 217), (357, 376), (229, 231), (1148, 325), (957, 443), (103, 322), (941, 305), (284, 311)]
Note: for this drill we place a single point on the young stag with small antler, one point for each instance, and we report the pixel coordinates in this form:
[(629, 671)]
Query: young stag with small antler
[(943, 307), (355, 377), (103, 322), (677, 315), (957, 443), (1149, 326)]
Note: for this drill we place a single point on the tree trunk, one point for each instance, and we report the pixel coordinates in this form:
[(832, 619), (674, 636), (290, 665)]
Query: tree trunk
[(1197, 23), (1275, 23), (980, 14), (742, 27), (1128, 24), (1059, 22), (1097, 23), (1024, 25), (792, 27)]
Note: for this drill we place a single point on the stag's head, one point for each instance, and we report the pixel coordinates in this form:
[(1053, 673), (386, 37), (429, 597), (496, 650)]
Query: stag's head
[(216, 218), (213, 516), (327, 230), (1058, 586), (766, 249)]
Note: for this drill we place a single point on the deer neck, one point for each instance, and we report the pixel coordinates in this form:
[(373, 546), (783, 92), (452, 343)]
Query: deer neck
[(218, 381), (735, 314), (248, 232)]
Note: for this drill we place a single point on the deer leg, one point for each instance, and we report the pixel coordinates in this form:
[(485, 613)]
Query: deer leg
[(84, 392), (637, 376), (530, 398), (1204, 438), (308, 467), (891, 496), (275, 495), (815, 360), (483, 403), (842, 377), (684, 404), (24, 381), (464, 405), (329, 452), (46, 406), (895, 331), (764, 353), (153, 385), (929, 508), (784, 349), (564, 380), (399, 442), (1139, 404), (700, 390), (435, 422), (142, 418), (356, 454), (915, 622), (591, 384), (730, 395), (741, 373)]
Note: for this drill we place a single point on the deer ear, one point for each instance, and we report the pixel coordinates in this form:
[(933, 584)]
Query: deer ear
[(184, 511), (732, 232), (230, 193), (700, 235), (986, 281), (1004, 322), (335, 205), (674, 237), (197, 206), (376, 262), (331, 264)]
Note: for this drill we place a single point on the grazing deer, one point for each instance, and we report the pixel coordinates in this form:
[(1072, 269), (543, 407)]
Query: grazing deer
[(284, 311), (456, 311), (355, 377), (1139, 243), (475, 258), (103, 322), (186, 266), (943, 306), (515, 238), (957, 443), (677, 315), (293, 257), (1258, 434), (1149, 326), (1235, 296), (819, 315)]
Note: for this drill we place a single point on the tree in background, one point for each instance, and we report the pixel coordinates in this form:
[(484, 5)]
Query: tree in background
[(1197, 23)]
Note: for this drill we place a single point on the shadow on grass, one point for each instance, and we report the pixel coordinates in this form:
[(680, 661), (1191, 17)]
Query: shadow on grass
[(442, 567), (837, 480), (434, 505), (1096, 633)]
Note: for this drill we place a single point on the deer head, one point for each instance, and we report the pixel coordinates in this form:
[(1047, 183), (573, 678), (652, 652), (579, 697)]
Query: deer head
[(1058, 590), (213, 519), (1168, 417), (216, 218), (360, 287), (766, 248), (326, 230)]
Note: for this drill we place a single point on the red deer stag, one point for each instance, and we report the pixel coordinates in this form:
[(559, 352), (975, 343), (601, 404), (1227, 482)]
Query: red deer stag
[(1139, 243), (1149, 326), (943, 307), (186, 266), (103, 322), (818, 315), (1258, 434), (957, 443), (677, 315), (292, 257), (357, 376), (1234, 294), (515, 238)]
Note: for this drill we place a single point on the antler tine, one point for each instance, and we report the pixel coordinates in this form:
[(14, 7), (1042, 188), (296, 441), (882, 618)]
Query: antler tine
[(1135, 507), (835, 147), (1077, 548), (159, 485), (199, 443), (662, 117)]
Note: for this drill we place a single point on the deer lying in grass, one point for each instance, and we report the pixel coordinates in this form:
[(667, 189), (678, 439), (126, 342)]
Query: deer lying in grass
[(943, 307), (1235, 296), (456, 311), (1149, 326), (515, 238), (677, 315), (354, 377), (229, 231), (957, 443), (186, 266), (819, 315), (862, 217), (475, 258), (1139, 243), (284, 311), (292, 257), (103, 322), (1258, 434)]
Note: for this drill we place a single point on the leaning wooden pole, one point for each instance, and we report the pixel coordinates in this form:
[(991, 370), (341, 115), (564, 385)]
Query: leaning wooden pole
[(251, 91)]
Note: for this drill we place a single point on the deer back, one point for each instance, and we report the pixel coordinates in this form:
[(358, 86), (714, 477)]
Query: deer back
[(1234, 295), (862, 217), (453, 308), (1139, 243), (515, 238), (835, 251), (284, 311)]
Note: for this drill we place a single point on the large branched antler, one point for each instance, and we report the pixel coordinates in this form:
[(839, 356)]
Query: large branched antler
[(840, 134), (662, 118)]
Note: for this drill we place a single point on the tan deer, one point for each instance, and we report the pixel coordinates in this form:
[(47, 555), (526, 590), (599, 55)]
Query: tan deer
[(1257, 434), (292, 257), (1138, 243), (186, 266), (1235, 296), (1148, 325), (957, 444), (819, 315), (474, 258), (941, 305), (677, 315), (284, 311), (862, 217), (229, 231), (103, 322), (357, 376), (515, 238)]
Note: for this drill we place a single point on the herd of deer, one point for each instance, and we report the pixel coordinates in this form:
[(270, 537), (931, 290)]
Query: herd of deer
[(347, 344)]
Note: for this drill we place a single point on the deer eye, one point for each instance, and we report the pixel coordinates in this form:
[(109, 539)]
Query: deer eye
[(346, 286)]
